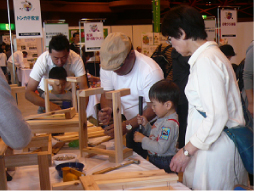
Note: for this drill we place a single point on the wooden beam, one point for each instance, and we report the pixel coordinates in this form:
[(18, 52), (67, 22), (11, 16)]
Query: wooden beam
[(123, 92), (88, 183), (90, 91), (43, 166), (99, 151), (71, 185)]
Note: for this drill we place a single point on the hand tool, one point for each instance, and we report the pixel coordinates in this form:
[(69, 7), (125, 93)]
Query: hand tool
[(140, 111), (132, 161)]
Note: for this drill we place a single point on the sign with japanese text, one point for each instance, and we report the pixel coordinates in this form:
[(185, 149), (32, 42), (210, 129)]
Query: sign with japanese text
[(228, 22), (52, 29), (27, 18), (94, 36)]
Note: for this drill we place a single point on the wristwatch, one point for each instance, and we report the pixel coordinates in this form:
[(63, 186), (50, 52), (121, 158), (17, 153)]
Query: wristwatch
[(128, 127), (186, 153)]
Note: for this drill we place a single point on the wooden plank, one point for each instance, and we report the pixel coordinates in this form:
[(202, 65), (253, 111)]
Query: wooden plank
[(83, 134), (136, 182), (99, 151), (71, 185), (56, 148), (71, 113), (46, 97), (88, 183), (73, 79), (18, 89), (113, 176), (123, 92), (54, 126), (156, 188), (3, 180), (64, 111), (3, 147), (74, 96), (43, 167), (90, 91), (38, 141), (118, 131), (21, 160)]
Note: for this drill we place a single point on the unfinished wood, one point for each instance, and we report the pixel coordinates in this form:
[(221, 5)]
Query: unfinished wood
[(121, 181), (73, 79), (93, 154), (3, 180), (71, 185), (88, 183), (3, 147), (90, 91), (57, 147), (74, 96), (43, 166), (38, 141), (156, 188), (99, 151), (46, 97), (55, 126), (135, 182), (83, 134), (118, 132), (70, 114), (123, 92), (107, 138)]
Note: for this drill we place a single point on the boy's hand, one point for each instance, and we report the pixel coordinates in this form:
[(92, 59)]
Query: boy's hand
[(138, 137), (142, 120), (54, 107)]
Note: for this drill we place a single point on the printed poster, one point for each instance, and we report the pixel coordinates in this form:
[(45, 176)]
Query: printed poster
[(52, 29), (228, 23), (94, 36), (27, 18)]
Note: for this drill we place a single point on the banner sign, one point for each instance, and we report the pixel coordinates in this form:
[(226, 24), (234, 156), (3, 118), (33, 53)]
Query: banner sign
[(210, 29), (55, 29), (27, 18), (94, 36), (156, 15), (228, 22)]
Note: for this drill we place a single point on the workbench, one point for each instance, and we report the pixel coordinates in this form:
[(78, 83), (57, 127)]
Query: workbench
[(27, 178)]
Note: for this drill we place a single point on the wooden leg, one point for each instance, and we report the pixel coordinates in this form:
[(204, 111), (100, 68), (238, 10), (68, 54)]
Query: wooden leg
[(43, 166), (3, 180), (9, 151)]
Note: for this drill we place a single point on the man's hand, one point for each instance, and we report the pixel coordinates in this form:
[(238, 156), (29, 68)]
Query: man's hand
[(109, 130), (138, 137), (104, 115), (54, 107), (142, 120)]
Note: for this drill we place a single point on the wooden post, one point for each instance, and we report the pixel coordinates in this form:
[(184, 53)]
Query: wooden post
[(74, 81), (46, 91), (43, 166), (118, 132)]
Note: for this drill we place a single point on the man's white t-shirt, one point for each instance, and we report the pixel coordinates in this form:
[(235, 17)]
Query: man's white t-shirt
[(74, 66), (143, 75)]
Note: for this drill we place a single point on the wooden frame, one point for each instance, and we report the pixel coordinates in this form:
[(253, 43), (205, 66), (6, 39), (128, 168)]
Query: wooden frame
[(42, 159), (119, 154), (143, 180)]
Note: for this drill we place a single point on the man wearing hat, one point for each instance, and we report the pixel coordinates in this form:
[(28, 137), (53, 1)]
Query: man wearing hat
[(123, 67)]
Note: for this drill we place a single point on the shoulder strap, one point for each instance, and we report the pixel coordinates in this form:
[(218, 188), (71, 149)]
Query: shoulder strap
[(174, 121)]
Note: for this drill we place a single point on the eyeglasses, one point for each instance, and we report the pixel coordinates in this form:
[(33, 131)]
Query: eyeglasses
[(169, 40)]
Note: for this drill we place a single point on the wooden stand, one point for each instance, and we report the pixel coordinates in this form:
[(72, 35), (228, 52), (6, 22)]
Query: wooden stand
[(142, 180), (119, 154), (42, 159)]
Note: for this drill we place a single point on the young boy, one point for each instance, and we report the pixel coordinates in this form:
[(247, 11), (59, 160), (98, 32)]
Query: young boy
[(163, 135), (58, 94)]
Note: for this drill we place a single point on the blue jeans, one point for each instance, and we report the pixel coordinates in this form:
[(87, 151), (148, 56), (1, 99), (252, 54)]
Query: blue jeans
[(161, 162)]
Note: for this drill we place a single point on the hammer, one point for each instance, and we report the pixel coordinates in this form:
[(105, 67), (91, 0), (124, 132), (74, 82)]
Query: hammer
[(132, 161)]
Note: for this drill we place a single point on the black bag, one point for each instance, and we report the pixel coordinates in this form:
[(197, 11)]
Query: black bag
[(159, 57)]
